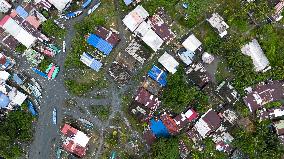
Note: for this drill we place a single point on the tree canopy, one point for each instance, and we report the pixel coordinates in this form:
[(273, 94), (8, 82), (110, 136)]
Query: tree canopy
[(16, 127), (165, 148), (262, 143)]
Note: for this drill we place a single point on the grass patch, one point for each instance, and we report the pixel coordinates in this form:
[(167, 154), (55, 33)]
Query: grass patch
[(102, 112)]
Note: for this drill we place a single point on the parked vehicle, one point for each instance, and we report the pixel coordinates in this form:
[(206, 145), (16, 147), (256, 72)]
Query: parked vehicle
[(90, 11), (64, 46), (86, 3), (73, 14), (54, 116)]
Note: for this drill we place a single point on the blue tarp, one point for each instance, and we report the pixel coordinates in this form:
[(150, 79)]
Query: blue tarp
[(32, 108), (39, 72), (22, 12), (70, 15), (86, 4), (127, 2), (158, 128), (4, 100), (17, 79), (100, 44), (158, 75)]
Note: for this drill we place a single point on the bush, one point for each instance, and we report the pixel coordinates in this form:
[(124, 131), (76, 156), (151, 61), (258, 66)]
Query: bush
[(50, 29), (20, 48), (101, 111)]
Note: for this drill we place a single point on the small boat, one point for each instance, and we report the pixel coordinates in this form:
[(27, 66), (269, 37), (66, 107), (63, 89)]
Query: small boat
[(90, 11), (54, 116), (73, 14), (86, 4)]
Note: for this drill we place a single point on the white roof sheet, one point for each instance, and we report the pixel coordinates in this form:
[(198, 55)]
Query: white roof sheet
[(59, 4), (19, 98), (135, 17), (188, 113), (4, 75), (253, 49), (81, 139), (191, 43), (12, 27), (169, 62), (218, 22), (202, 127), (142, 29), (152, 40), (25, 38)]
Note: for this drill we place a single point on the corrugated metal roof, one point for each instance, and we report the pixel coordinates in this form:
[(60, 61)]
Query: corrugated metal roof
[(91, 62), (4, 100), (127, 2), (158, 75), (4, 20), (100, 44), (22, 12)]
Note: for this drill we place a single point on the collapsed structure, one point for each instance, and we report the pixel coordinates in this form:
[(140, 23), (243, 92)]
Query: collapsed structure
[(263, 93), (219, 24)]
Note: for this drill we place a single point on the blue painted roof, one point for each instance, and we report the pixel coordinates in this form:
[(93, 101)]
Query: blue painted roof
[(127, 2), (100, 44), (4, 100), (17, 79), (39, 72), (95, 65), (22, 12), (158, 128), (32, 108), (158, 75), (86, 3)]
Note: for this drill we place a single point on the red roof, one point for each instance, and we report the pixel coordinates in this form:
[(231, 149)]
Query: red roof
[(147, 99), (4, 20), (2, 59), (169, 123), (69, 144), (184, 118), (78, 150), (68, 130)]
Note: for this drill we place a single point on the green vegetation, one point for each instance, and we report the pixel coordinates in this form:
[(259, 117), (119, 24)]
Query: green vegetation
[(101, 111), (20, 48), (273, 105), (165, 148), (14, 129), (88, 79), (178, 94), (209, 151), (45, 63), (50, 29), (262, 143)]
